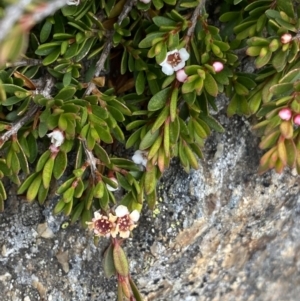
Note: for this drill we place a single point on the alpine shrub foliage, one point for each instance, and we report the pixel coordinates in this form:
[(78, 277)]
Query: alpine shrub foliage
[(79, 79)]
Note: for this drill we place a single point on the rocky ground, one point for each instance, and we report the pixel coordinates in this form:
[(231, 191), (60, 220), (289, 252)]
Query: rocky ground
[(219, 233)]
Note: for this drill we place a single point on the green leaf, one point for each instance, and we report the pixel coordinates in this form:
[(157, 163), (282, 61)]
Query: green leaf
[(159, 100), (60, 165), (147, 41), (23, 160), (212, 123), (210, 85), (230, 16), (101, 154), (282, 89), (163, 21), (104, 134), (120, 260), (65, 93), (150, 180), (63, 187), (69, 10), (11, 101), (269, 140), (135, 290), (59, 207), (42, 194), (291, 76), (84, 49), (123, 182), (52, 57), (47, 172), (34, 188), (174, 131), (134, 138), (42, 160), (279, 60), (10, 88), (45, 31), (148, 139), (124, 163), (25, 185), (263, 60), (161, 118), (286, 6), (76, 212), (140, 83), (108, 262)]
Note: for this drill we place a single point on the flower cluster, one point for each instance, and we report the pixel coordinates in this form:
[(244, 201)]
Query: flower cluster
[(286, 114), (122, 223), (174, 61)]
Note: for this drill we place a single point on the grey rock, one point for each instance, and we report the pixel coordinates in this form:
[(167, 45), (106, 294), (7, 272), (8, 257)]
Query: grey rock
[(219, 233)]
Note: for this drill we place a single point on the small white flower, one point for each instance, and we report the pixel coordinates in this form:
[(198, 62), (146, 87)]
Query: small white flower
[(103, 225), (110, 188), (121, 211), (126, 222), (145, 1), (174, 61), (57, 138), (140, 157)]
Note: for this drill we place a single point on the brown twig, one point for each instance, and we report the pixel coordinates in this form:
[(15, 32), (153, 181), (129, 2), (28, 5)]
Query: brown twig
[(90, 158), (195, 17), (24, 62), (13, 13), (108, 45), (16, 126), (30, 113)]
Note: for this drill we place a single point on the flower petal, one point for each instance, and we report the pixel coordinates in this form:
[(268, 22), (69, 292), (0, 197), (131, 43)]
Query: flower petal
[(140, 157), (124, 234), (167, 69), (134, 215), (121, 211), (97, 215), (179, 66), (184, 55), (137, 157)]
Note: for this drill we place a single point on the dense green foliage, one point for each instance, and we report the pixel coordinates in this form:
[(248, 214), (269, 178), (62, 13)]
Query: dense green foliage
[(96, 76)]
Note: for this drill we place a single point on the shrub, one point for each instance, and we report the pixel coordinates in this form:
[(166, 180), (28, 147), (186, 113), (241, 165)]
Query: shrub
[(81, 78)]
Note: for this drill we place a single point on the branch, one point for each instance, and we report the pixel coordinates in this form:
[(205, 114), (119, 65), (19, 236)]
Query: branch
[(91, 160), (11, 14), (14, 12), (24, 62), (16, 126), (30, 113), (108, 45), (195, 17)]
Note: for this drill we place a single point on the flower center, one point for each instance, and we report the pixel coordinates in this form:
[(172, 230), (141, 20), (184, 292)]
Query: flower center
[(124, 223), (103, 226), (174, 59)]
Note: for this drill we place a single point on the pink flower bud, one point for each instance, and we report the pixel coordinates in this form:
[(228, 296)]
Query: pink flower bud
[(297, 119), (218, 66), (285, 114), (286, 38), (181, 75)]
